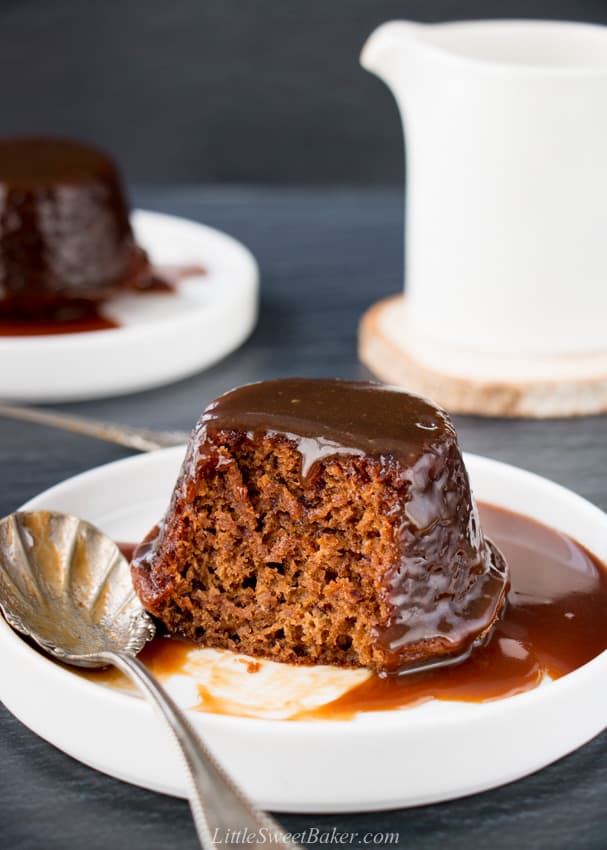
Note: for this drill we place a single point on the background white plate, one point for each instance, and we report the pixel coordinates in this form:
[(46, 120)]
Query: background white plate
[(161, 339), (424, 754)]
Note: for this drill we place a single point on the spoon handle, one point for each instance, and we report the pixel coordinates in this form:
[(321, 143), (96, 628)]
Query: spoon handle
[(220, 810), (141, 439)]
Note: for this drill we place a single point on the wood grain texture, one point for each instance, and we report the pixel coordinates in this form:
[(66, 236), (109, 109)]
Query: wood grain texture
[(324, 256), (384, 349)]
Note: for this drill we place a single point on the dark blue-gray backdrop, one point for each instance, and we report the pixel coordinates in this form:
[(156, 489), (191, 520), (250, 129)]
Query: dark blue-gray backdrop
[(238, 91)]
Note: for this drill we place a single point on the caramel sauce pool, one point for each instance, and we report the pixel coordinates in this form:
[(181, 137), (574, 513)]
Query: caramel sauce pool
[(90, 317), (556, 621), (90, 320)]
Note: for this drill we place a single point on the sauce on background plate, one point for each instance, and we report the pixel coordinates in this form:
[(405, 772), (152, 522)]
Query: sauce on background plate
[(555, 621), (91, 316)]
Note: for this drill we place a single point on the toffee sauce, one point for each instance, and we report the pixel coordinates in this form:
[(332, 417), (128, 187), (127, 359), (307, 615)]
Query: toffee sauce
[(90, 317), (555, 622)]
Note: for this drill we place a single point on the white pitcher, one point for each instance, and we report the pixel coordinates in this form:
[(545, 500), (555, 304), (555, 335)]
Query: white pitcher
[(506, 218)]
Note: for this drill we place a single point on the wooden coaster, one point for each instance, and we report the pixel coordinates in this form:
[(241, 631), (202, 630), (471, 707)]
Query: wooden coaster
[(561, 391)]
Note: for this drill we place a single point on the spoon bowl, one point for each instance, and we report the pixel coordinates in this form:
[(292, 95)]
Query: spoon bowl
[(68, 587)]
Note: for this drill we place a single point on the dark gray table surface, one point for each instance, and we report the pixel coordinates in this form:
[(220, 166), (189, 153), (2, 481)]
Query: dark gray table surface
[(324, 256)]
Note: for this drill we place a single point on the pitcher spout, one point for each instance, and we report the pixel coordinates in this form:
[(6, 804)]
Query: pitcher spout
[(389, 47)]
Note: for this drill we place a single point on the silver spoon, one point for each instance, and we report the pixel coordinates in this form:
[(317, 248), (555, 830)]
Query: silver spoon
[(141, 439), (68, 587)]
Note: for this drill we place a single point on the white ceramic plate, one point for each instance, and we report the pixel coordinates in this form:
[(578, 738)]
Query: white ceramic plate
[(432, 752), (161, 339)]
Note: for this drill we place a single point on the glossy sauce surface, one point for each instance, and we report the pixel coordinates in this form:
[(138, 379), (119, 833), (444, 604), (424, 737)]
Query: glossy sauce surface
[(554, 623), (328, 416)]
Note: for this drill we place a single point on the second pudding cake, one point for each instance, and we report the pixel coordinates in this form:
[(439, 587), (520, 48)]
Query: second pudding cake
[(324, 522), (66, 241)]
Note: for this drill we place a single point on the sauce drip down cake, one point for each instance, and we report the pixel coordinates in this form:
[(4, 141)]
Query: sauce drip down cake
[(324, 522), (65, 237)]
